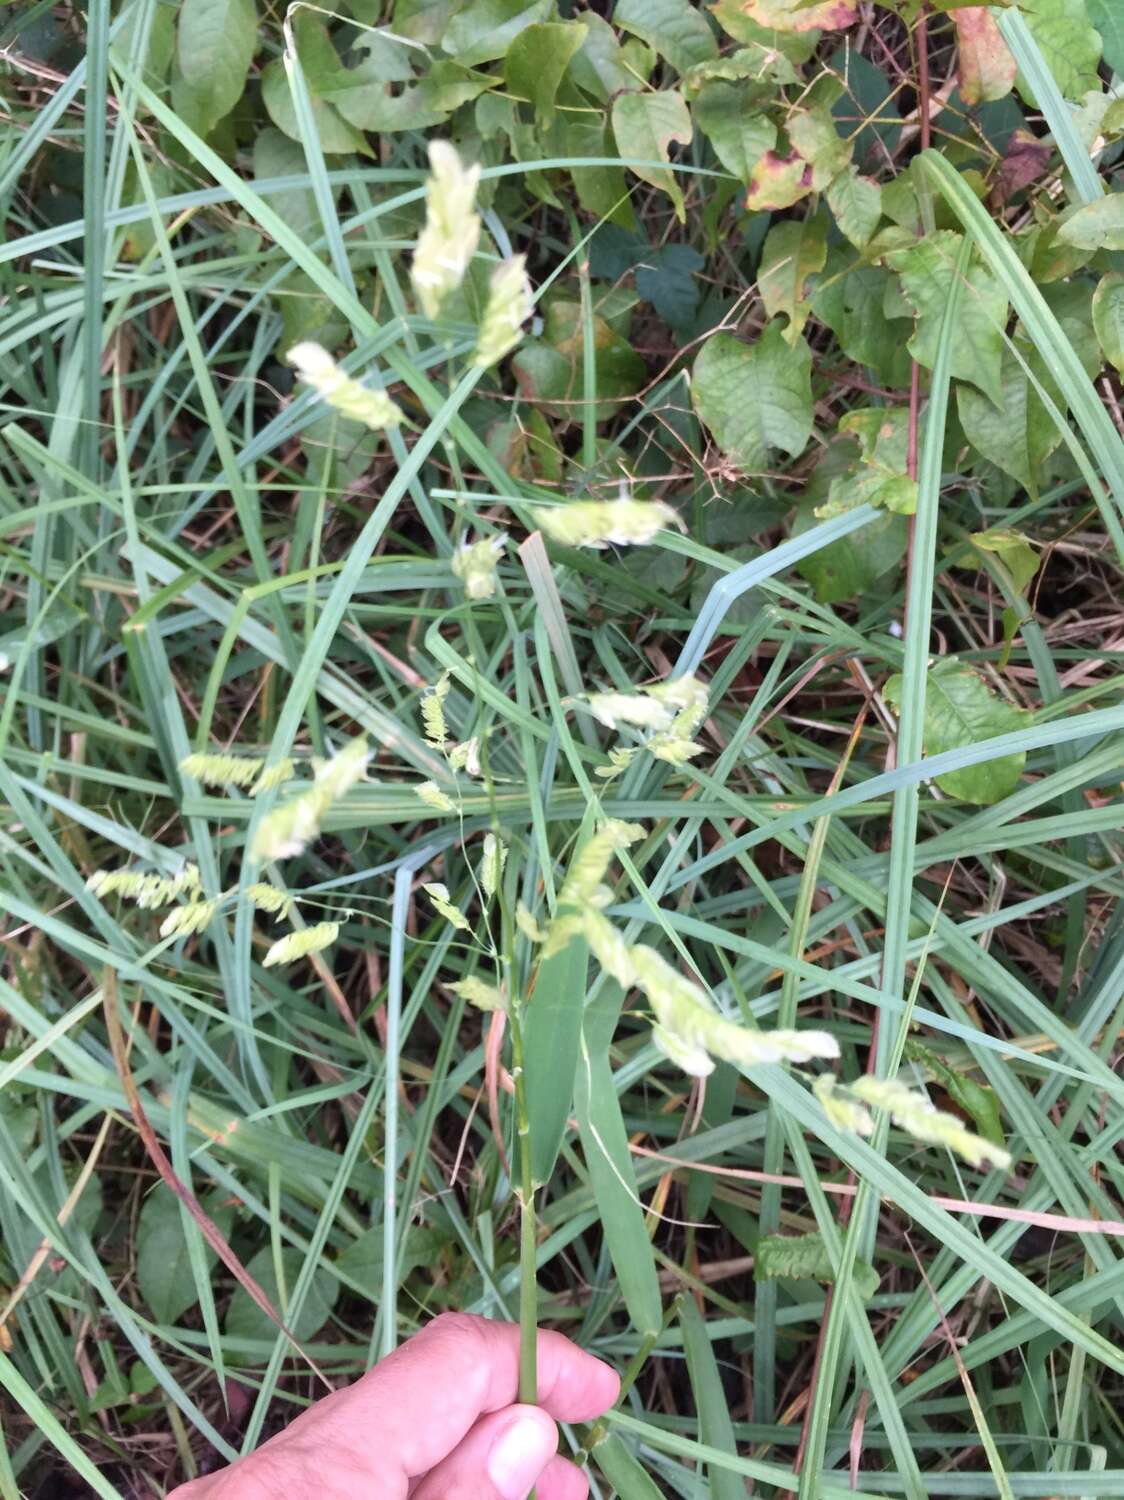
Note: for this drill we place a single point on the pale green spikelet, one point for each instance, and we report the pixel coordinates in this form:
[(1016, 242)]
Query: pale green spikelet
[(148, 890), (685, 1013), (912, 1112), (588, 868), (432, 795), (476, 992), (599, 523), (433, 712), (300, 944), (491, 864), (673, 750), (466, 756), (438, 893), (290, 828), (268, 898), (344, 394), (527, 924), (273, 776), (692, 1057), (619, 760), (638, 709), (510, 304), (222, 770), (343, 770), (843, 1112), (182, 921), (608, 946), (474, 563), (452, 228)]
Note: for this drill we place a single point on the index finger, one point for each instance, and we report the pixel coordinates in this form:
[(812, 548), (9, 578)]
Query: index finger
[(418, 1404)]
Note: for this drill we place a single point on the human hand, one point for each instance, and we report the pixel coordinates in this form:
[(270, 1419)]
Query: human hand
[(437, 1420)]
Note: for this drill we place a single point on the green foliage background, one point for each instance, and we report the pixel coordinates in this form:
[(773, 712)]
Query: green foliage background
[(844, 286)]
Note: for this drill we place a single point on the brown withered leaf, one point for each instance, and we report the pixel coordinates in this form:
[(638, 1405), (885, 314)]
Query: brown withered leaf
[(1026, 160), (778, 182)]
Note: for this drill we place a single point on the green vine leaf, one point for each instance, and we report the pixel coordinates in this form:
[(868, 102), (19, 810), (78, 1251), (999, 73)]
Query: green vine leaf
[(537, 60), (960, 709), (676, 29), (645, 126), (1108, 318), (215, 45), (856, 202), (754, 397), (793, 252), (927, 268)]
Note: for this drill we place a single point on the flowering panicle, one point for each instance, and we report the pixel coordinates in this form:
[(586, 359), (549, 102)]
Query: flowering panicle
[(433, 712), (432, 795), (147, 890), (688, 1026), (844, 1112), (587, 870), (344, 394), (510, 304), (438, 893), (474, 563), (452, 228), (268, 898), (182, 921), (248, 772), (912, 1112), (491, 864), (674, 710), (466, 756), (599, 523), (477, 992), (300, 944), (290, 828), (527, 924)]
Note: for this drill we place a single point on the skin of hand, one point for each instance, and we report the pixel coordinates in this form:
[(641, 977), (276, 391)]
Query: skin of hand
[(437, 1420)]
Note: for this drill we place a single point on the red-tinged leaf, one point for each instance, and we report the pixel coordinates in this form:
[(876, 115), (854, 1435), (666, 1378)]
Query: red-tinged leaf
[(778, 182), (987, 69), (1025, 162)]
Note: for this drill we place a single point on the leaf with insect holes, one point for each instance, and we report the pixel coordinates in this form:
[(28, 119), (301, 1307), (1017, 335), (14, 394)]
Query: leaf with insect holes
[(676, 29), (794, 251), (537, 60), (856, 202), (645, 126), (853, 564), (1108, 318), (1015, 433), (215, 45), (739, 134), (804, 1257), (882, 479), (1095, 226), (986, 68), (754, 397), (1070, 46), (961, 710), (815, 138), (927, 268)]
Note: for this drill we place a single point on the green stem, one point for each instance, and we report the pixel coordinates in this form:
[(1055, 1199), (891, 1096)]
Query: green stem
[(528, 1245)]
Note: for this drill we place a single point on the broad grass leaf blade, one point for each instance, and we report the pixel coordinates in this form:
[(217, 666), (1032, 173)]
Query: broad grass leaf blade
[(715, 1426), (623, 1470), (551, 1040), (609, 1160)]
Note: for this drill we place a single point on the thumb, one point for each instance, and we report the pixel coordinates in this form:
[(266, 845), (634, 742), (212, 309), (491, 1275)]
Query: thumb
[(501, 1458)]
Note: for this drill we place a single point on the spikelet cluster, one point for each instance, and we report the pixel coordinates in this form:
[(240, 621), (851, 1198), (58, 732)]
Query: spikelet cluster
[(912, 1112), (673, 710), (433, 712), (341, 391), (182, 921), (149, 891), (510, 304), (448, 241), (484, 996), (268, 898), (601, 523), (300, 944), (443, 902), (433, 797), (474, 563), (290, 828), (491, 864), (248, 772)]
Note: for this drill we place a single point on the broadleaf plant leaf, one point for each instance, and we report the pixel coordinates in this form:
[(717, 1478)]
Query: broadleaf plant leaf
[(754, 397)]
